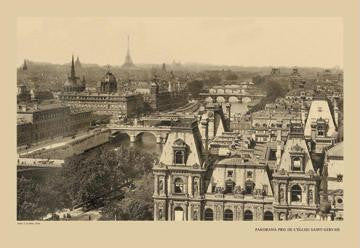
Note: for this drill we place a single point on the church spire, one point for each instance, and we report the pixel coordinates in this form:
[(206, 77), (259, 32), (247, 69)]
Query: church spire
[(25, 65), (72, 75)]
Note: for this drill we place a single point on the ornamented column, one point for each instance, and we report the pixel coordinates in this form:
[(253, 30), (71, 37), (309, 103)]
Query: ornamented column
[(156, 190), (304, 195), (190, 191), (169, 185), (240, 212), (186, 186), (276, 215), (187, 212), (170, 206)]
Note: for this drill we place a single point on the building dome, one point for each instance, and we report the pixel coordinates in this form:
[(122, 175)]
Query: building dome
[(108, 83), (109, 78)]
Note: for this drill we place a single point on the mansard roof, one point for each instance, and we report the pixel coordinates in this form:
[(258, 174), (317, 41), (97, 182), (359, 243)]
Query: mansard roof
[(296, 144), (319, 109), (237, 161)]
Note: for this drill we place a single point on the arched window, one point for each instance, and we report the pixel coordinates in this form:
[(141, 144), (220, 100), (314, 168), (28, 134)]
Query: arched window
[(209, 215), (264, 125), (268, 215), (249, 187), (179, 185), (296, 193), (179, 214), (297, 164), (228, 215), (248, 215), (179, 157)]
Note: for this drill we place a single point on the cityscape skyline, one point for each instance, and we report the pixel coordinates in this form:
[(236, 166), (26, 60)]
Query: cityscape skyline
[(192, 42)]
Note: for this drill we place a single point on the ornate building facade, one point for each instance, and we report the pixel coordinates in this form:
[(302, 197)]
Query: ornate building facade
[(194, 180)]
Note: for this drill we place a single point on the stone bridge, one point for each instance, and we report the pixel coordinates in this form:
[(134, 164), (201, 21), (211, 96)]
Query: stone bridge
[(25, 164), (239, 97), (134, 132)]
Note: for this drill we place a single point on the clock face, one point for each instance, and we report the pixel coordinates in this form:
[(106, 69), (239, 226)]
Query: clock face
[(210, 114)]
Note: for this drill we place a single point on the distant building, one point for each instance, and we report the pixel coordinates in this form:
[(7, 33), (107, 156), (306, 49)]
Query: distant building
[(108, 84), (23, 94), (46, 121), (275, 71), (106, 100), (73, 83)]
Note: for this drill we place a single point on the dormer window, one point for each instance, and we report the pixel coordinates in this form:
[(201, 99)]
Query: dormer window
[(297, 158), (179, 157), (180, 152), (297, 164)]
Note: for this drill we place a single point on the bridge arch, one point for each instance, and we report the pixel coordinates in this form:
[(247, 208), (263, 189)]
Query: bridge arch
[(246, 99), (220, 91), (233, 99), (228, 91), (139, 135), (220, 99), (212, 91), (209, 99)]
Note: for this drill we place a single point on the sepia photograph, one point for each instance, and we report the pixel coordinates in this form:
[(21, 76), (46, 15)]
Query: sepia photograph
[(180, 119)]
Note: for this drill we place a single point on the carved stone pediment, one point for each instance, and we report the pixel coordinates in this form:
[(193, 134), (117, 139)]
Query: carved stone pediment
[(297, 148), (179, 143)]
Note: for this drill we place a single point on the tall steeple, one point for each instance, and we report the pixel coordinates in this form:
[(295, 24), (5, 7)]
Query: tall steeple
[(77, 63), (25, 65), (128, 64), (72, 74)]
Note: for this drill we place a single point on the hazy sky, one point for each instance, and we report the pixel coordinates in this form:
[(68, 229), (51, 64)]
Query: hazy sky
[(228, 41)]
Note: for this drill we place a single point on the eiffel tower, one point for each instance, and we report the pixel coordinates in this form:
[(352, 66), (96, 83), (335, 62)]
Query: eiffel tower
[(128, 64)]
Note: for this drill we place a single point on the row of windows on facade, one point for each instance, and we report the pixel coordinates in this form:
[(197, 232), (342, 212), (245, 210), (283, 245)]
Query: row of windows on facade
[(50, 116), (271, 125), (229, 215), (229, 187)]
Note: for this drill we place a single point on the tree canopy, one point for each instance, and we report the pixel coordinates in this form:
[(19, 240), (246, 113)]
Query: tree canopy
[(99, 178)]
